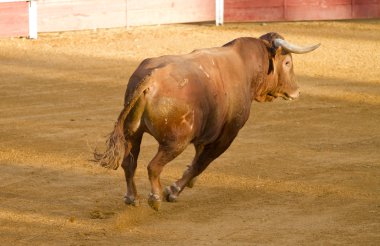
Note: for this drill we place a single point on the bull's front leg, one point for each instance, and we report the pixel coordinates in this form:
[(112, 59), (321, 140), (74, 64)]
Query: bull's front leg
[(187, 180), (205, 154)]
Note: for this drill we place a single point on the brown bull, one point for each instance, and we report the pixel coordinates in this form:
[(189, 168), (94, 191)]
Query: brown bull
[(201, 98)]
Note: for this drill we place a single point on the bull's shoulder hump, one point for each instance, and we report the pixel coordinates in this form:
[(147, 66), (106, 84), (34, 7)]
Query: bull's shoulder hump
[(209, 52), (241, 41)]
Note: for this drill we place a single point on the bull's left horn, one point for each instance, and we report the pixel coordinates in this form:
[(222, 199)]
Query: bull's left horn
[(292, 48)]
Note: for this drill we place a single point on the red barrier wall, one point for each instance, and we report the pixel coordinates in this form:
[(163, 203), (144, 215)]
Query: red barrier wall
[(365, 8), (289, 10), (245, 10), (14, 19)]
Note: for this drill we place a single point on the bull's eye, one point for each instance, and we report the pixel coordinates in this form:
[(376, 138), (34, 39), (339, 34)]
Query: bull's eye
[(287, 63)]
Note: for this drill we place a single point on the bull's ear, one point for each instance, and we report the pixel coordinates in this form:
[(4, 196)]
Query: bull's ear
[(269, 47), (267, 43), (279, 51), (271, 65), (272, 52)]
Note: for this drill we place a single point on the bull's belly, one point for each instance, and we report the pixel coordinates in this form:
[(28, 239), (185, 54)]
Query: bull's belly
[(173, 121)]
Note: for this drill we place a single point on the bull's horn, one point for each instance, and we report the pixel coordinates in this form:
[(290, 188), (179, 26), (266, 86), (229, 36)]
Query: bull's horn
[(292, 48)]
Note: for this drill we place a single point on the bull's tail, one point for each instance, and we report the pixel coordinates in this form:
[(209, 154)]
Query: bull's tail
[(116, 142), (115, 147)]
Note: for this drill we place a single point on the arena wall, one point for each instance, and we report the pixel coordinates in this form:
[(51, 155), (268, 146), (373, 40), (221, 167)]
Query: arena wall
[(65, 15), (293, 10), (14, 18)]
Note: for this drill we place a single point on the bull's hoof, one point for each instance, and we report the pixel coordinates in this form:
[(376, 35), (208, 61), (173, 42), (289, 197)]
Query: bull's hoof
[(154, 201), (191, 183), (168, 194), (130, 200)]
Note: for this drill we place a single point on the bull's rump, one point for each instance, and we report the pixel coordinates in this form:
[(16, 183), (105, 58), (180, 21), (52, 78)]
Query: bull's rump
[(183, 104)]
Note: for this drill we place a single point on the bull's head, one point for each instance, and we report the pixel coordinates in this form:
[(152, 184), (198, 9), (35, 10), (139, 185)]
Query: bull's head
[(280, 81)]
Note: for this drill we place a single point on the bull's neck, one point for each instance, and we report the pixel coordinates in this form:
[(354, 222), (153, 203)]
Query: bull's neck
[(255, 60)]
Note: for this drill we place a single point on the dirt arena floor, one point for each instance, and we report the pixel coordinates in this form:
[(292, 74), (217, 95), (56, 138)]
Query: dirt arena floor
[(305, 172)]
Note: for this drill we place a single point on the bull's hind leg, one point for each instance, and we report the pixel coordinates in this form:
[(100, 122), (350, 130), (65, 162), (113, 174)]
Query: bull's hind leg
[(164, 155), (129, 165), (204, 156), (133, 131)]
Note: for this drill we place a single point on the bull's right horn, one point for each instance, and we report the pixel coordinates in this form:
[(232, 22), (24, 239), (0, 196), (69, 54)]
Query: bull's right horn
[(292, 48)]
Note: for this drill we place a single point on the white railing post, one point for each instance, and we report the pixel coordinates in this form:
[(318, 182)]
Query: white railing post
[(33, 19), (219, 12)]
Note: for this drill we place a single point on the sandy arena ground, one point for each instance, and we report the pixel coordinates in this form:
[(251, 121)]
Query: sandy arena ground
[(305, 172)]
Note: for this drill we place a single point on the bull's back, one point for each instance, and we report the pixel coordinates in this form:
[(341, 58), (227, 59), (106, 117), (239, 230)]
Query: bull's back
[(189, 96)]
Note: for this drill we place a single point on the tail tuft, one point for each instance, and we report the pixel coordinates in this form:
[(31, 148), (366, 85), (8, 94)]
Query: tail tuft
[(116, 142), (115, 148)]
